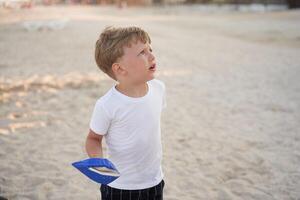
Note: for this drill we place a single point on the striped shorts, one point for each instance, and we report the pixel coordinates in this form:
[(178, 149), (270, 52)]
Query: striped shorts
[(153, 193)]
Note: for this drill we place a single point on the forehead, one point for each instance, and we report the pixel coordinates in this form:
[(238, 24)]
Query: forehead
[(135, 46)]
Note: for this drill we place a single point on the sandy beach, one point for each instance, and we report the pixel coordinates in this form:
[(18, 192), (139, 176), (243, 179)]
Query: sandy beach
[(231, 130)]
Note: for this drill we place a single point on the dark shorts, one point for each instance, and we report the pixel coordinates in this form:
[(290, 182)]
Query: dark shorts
[(153, 193)]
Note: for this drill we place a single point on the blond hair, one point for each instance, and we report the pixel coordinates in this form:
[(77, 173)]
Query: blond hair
[(109, 46)]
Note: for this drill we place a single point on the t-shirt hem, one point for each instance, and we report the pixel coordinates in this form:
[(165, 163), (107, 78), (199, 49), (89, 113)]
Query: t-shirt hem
[(135, 186), (97, 131)]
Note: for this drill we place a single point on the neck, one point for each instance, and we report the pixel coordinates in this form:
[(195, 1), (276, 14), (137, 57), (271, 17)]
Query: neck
[(133, 90)]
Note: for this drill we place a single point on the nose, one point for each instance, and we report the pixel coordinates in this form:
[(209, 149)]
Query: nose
[(151, 56)]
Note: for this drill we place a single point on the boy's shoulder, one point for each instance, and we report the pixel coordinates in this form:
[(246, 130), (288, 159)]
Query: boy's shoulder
[(158, 83), (105, 98)]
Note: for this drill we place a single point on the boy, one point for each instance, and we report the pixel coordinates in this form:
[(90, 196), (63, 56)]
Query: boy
[(128, 115)]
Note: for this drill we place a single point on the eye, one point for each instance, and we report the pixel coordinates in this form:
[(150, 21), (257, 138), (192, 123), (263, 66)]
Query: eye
[(142, 52), (150, 50)]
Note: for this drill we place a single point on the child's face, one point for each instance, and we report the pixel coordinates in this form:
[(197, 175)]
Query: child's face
[(139, 62)]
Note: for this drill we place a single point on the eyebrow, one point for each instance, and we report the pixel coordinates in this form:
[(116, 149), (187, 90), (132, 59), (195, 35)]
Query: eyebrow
[(144, 49)]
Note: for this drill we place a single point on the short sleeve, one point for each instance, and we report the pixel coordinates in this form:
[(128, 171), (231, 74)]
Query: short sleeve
[(164, 101), (100, 120)]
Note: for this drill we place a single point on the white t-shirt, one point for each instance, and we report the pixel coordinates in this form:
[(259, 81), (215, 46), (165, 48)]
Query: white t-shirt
[(131, 127)]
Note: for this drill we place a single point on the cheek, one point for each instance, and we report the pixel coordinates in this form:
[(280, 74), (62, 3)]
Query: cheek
[(139, 63)]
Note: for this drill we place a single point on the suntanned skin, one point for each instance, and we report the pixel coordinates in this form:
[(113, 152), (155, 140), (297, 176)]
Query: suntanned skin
[(93, 145)]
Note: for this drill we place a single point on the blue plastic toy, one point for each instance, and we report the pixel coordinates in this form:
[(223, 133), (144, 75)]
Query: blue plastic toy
[(100, 170)]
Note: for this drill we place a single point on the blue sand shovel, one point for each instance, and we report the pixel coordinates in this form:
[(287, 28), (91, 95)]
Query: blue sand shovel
[(100, 170)]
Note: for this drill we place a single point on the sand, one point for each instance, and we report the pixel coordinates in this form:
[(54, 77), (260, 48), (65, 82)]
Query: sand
[(232, 126)]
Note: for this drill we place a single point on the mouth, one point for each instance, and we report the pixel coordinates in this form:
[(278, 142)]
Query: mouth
[(152, 67)]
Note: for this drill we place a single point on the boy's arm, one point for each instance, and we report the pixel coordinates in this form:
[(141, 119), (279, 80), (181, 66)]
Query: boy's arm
[(93, 145)]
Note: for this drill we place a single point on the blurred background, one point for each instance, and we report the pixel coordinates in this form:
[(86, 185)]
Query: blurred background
[(231, 129), (121, 3)]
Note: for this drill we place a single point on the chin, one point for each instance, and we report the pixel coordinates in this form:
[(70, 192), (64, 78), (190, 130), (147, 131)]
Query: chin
[(151, 78)]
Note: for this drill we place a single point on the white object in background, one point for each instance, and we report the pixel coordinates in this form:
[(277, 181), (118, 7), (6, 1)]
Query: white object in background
[(45, 25)]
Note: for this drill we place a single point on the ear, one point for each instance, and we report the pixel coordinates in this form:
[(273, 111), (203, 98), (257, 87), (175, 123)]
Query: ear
[(118, 69)]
